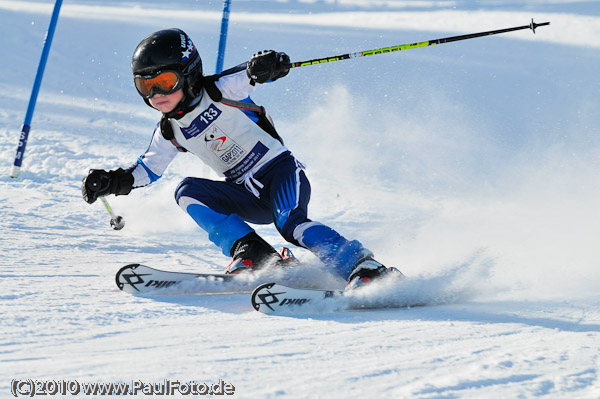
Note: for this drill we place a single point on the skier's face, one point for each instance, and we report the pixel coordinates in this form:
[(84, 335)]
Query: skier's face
[(166, 102)]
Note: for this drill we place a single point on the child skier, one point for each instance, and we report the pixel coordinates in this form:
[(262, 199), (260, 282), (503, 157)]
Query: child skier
[(214, 118)]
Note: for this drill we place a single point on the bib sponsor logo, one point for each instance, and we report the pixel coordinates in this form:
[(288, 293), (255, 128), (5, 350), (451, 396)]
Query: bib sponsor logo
[(223, 146)]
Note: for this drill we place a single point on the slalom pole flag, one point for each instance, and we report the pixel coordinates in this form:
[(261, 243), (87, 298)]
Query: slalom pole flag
[(16, 169), (223, 36), (409, 46)]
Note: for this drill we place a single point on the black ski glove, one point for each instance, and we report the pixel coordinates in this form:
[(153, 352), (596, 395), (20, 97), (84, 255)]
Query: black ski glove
[(99, 183), (267, 65)]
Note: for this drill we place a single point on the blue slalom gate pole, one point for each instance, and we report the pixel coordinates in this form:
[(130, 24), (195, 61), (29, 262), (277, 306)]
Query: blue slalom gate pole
[(223, 36), (16, 169)]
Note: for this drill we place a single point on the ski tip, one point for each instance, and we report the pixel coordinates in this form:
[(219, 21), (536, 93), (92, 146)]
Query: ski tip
[(131, 266), (260, 299)]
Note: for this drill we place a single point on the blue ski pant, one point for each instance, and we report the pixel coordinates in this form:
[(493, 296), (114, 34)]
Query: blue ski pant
[(278, 193)]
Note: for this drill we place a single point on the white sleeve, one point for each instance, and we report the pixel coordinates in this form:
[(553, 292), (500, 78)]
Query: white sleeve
[(236, 85), (155, 160)]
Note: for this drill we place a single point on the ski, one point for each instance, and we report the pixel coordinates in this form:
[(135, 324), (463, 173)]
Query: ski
[(274, 298), (140, 279), (278, 299)]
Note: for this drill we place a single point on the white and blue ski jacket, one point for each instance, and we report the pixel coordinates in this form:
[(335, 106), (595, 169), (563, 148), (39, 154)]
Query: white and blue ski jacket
[(224, 137)]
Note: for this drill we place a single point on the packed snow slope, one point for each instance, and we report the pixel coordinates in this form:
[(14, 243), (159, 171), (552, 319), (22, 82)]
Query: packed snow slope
[(471, 166)]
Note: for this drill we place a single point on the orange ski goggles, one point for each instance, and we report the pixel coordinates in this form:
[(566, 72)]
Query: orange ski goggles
[(163, 82)]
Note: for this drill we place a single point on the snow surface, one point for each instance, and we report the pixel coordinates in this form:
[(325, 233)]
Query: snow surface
[(472, 166)]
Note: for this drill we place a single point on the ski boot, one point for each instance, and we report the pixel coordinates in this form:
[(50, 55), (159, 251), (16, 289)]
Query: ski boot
[(367, 270), (287, 255), (251, 253)]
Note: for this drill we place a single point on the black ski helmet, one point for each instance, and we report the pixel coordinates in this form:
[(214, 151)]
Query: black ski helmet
[(170, 49)]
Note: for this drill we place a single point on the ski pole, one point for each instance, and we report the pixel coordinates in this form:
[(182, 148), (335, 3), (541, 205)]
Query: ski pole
[(409, 46), (116, 222)]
